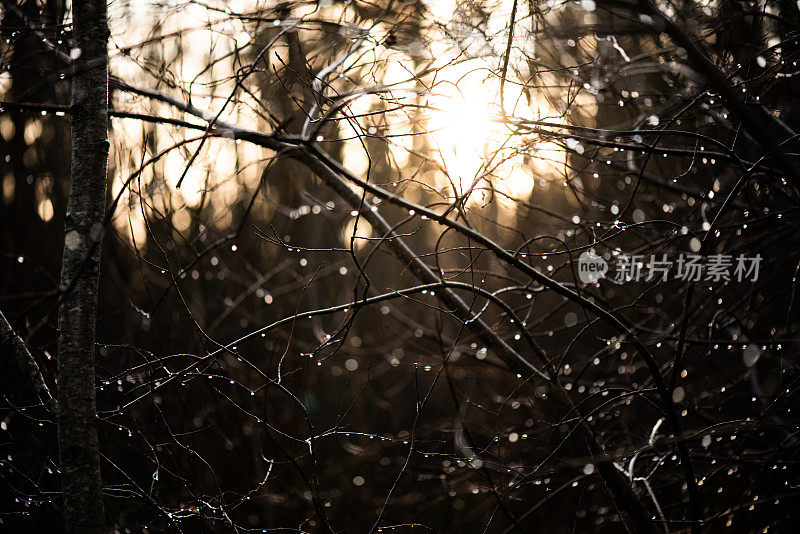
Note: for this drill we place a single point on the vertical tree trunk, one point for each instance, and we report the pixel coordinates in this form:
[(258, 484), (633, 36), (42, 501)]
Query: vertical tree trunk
[(83, 229)]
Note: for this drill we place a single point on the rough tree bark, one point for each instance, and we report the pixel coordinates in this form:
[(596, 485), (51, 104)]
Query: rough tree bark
[(77, 314)]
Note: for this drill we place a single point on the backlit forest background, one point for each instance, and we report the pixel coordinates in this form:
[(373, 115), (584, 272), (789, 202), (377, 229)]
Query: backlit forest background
[(339, 280)]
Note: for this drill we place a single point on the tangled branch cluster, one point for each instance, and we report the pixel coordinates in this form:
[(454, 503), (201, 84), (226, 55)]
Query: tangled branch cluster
[(341, 284)]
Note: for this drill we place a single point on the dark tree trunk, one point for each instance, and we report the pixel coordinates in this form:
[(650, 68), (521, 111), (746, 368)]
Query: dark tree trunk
[(83, 229)]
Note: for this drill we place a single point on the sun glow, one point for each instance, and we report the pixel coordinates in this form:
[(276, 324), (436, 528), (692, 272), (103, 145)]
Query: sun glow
[(466, 110), (438, 124), (471, 139)]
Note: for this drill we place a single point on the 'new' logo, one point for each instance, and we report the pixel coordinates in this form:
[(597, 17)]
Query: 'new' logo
[(591, 267)]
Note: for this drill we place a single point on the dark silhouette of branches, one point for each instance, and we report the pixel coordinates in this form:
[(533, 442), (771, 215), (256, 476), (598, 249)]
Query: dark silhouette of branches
[(480, 266)]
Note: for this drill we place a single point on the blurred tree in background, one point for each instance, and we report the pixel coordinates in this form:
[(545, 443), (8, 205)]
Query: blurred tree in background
[(341, 286)]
